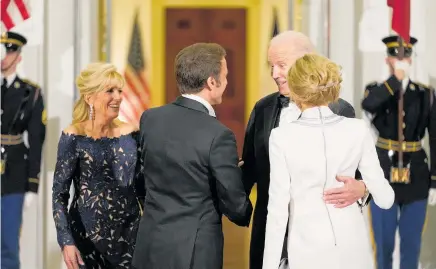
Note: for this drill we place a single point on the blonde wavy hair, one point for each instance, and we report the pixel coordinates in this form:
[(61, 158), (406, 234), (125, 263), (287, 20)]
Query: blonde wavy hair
[(96, 77), (314, 80)]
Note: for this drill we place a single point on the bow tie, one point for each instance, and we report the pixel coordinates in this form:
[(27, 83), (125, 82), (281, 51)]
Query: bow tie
[(283, 101)]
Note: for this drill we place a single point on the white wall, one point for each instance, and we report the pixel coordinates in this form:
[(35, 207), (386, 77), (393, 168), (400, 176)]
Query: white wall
[(62, 39), (335, 38), (342, 35)]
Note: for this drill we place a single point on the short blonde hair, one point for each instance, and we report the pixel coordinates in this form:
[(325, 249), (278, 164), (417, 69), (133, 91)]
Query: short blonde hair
[(96, 77), (314, 80)]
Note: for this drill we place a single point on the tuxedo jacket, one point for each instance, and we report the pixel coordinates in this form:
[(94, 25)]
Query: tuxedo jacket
[(191, 178), (256, 168)]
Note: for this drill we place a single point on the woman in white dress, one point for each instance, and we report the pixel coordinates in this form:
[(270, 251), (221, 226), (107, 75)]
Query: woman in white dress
[(306, 156)]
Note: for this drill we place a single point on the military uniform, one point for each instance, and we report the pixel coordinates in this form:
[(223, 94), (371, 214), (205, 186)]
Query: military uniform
[(412, 188), (22, 109)]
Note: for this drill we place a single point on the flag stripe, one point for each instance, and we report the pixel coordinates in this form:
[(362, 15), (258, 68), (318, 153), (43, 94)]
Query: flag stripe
[(145, 84), (132, 101), (22, 8), (6, 19), (136, 105), (135, 81), (401, 18), (127, 113), (133, 92)]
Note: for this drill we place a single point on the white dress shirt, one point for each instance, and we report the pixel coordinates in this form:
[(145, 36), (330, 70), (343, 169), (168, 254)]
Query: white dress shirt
[(9, 79), (405, 83), (202, 101), (289, 114)]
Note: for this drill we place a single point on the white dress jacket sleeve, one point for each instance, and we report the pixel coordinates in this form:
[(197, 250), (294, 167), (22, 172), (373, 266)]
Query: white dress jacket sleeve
[(373, 176)]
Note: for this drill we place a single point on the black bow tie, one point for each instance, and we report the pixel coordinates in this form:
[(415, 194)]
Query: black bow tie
[(283, 101)]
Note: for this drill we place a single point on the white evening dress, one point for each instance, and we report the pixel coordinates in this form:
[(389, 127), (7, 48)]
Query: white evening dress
[(305, 156)]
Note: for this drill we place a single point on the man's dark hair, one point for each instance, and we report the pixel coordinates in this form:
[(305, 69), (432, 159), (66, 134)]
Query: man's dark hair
[(195, 64)]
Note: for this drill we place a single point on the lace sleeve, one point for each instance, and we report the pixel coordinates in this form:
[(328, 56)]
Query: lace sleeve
[(139, 170), (63, 176)]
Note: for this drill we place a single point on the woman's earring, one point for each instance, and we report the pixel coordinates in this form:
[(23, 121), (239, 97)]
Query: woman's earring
[(91, 112)]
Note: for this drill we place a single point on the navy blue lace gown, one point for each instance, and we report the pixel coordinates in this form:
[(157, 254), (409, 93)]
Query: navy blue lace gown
[(104, 214)]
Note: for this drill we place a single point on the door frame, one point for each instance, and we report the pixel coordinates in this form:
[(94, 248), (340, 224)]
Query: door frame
[(253, 55)]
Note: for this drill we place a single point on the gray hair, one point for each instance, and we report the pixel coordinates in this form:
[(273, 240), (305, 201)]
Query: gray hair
[(299, 43)]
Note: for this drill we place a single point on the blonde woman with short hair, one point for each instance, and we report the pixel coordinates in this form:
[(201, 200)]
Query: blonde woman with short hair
[(98, 154), (307, 157)]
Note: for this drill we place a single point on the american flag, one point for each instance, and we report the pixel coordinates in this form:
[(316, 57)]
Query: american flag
[(13, 12), (136, 93)]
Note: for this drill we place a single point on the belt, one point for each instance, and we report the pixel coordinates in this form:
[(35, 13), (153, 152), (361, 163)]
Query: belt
[(395, 145), (11, 139)]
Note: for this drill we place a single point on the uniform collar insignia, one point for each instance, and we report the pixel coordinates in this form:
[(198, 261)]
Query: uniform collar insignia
[(412, 86)]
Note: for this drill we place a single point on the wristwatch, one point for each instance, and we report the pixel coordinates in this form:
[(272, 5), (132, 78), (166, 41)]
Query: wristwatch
[(362, 201), (366, 194)]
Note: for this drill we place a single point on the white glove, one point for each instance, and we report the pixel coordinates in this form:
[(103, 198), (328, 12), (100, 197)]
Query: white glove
[(403, 65), (432, 197), (29, 197)]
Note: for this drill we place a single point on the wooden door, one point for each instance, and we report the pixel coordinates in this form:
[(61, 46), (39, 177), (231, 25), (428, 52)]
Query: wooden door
[(223, 26), (227, 28)]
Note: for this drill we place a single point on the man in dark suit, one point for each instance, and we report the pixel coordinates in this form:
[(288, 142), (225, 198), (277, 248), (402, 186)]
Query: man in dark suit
[(270, 112), (191, 170)]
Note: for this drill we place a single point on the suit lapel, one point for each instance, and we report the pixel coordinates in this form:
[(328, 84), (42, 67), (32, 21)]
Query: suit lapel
[(270, 117)]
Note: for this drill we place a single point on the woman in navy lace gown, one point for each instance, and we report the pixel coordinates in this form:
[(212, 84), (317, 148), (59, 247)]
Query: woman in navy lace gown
[(100, 156)]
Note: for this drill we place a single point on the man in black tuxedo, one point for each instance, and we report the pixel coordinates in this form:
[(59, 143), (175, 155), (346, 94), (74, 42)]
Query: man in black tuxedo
[(270, 112), (191, 170)]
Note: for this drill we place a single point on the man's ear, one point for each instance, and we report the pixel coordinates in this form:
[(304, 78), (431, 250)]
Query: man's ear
[(211, 82)]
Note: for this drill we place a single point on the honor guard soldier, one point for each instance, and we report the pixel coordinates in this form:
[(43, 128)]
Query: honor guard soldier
[(22, 109), (402, 109)]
